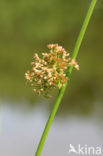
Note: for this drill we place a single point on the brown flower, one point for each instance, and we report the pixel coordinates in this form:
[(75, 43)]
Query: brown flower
[(50, 71)]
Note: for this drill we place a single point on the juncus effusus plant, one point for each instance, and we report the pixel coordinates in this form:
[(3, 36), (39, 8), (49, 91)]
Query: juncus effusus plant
[(53, 70)]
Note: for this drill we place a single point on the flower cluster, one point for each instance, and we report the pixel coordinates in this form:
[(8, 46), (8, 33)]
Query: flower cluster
[(50, 71)]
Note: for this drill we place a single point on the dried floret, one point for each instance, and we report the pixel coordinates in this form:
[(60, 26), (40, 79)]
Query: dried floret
[(50, 71)]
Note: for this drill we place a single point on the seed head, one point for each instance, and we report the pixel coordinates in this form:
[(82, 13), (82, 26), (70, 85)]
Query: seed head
[(50, 71)]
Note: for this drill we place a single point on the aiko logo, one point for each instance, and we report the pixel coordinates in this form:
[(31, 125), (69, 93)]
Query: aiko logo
[(86, 150)]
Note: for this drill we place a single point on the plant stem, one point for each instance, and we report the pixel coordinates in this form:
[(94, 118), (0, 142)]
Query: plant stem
[(62, 90)]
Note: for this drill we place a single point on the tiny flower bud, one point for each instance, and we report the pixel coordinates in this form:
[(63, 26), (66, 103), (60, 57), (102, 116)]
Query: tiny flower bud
[(50, 71), (34, 90)]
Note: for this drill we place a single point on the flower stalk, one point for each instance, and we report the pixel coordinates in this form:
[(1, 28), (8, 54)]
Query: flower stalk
[(63, 88)]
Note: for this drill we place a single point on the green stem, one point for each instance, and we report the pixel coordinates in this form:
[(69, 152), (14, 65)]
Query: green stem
[(61, 93)]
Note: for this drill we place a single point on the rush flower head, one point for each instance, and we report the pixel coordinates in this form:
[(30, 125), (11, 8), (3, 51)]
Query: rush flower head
[(50, 71)]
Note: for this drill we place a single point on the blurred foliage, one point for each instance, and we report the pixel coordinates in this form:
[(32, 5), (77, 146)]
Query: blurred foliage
[(27, 27)]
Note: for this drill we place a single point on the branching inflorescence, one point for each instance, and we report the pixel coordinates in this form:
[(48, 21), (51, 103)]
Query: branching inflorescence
[(53, 71), (50, 71)]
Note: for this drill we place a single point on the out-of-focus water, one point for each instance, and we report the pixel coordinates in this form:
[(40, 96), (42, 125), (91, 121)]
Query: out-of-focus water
[(21, 131)]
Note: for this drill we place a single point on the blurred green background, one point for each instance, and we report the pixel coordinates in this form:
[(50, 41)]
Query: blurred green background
[(27, 27)]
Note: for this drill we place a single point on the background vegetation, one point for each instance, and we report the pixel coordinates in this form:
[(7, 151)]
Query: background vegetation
[(27, 27)]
